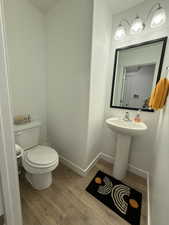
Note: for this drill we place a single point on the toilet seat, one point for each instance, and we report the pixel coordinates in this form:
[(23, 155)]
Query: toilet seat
[(36, 163), (41, 156)]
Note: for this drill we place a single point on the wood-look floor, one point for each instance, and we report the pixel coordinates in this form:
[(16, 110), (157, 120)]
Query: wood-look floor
[(67, 203)]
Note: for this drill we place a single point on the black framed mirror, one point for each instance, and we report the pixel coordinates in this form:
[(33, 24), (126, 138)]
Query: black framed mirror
[(137, 69)]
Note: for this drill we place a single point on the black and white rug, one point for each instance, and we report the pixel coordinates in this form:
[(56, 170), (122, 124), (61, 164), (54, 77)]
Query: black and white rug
[(122, 199)]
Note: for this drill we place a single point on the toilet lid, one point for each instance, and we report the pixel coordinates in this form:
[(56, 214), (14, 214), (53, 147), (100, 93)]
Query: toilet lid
[(42, 155)]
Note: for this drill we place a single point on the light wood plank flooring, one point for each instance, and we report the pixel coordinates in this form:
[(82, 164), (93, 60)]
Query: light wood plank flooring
[(67, 203)]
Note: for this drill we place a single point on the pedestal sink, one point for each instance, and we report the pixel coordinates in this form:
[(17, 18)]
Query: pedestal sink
[(124, 130)]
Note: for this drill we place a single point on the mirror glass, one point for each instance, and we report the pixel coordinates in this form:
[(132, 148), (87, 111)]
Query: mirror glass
[(137, 69)]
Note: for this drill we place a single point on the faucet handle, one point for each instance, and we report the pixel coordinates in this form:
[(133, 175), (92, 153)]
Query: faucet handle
[(127, 116), (127, 113)]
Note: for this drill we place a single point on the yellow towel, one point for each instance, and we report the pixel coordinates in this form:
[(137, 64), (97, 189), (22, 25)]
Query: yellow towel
[(159, 94)]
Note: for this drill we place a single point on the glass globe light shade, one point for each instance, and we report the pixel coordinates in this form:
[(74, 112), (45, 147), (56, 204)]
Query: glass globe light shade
[(137, 26), (120, 33), (158, 18)]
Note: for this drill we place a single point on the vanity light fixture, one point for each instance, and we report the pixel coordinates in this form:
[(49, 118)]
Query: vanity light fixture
[(137, 26), (158, 19)]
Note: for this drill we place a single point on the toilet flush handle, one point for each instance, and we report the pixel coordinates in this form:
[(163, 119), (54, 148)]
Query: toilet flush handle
[(19, 151)]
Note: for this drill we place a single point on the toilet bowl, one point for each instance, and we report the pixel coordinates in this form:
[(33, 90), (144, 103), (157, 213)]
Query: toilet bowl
[(38, 161)]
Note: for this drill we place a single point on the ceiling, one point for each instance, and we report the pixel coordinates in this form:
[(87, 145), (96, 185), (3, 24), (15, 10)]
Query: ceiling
[(116, 5)]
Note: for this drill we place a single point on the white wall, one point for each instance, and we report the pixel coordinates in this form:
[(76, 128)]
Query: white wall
[(101, 40), (160, 171), (27, 60), (142, 147), (69, 32), (159, 182)]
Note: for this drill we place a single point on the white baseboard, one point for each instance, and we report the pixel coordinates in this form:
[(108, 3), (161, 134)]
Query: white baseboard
[(107, 158), (131, 168), (93, 163), (76, 168), (71, 165), (137, 171), (101, 155)]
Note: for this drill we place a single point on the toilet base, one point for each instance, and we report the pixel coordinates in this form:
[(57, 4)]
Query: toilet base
[(39, 181)]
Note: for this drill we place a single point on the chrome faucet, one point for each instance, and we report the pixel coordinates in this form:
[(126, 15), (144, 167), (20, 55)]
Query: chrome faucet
[(126, 116)]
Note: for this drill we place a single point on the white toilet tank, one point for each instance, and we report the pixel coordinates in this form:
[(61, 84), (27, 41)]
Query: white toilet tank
[(27, 135)]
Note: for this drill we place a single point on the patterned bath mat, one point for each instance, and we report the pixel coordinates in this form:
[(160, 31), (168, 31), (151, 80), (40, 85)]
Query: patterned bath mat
[(122, 199)]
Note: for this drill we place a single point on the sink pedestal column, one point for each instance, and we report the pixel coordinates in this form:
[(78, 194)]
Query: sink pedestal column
[(122, 155)]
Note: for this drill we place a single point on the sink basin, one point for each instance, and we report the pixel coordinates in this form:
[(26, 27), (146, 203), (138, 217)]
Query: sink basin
[(126, 127), (125, 130)]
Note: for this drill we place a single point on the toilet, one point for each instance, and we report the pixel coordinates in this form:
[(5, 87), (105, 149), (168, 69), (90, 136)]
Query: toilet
[(38, 161)]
